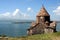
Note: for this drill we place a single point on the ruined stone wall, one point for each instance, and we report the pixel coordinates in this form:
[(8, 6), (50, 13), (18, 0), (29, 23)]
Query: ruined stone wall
[(38, 29)]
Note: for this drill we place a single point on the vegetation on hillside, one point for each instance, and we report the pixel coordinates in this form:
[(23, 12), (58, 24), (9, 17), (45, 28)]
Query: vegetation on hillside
[(50, 36)]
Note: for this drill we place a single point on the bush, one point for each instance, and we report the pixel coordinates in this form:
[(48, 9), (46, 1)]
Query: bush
[(3, 35)]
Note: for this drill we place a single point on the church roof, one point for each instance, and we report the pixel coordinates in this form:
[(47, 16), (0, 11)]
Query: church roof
[(43, 12)]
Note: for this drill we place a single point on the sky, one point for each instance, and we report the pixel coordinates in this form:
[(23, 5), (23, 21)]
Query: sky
[(28, 9)]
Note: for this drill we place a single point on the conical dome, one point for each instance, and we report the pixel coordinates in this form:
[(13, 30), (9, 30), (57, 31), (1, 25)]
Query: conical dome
[(43, 12)]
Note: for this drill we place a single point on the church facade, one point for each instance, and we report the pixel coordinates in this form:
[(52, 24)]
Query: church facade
[(42, 24)]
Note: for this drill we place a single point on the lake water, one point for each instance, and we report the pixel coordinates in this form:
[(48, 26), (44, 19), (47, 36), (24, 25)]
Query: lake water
[(12, 29)]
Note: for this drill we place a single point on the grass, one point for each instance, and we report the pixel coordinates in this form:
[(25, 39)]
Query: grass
[(50, 36)]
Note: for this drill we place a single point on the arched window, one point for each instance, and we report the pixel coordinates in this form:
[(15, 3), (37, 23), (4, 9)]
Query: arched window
[(42, 19)]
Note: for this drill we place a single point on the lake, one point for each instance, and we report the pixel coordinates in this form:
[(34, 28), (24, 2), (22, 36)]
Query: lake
[(12, 29)]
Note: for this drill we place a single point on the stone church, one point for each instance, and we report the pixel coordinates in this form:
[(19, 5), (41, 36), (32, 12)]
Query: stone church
[(42, 23)]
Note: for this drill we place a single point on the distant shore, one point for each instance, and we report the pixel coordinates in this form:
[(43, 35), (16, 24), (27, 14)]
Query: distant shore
[(21, 22), (58, 21), (31, 22)]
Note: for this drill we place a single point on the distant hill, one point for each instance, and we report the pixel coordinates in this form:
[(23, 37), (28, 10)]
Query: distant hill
[(16, 20), (58, 21)]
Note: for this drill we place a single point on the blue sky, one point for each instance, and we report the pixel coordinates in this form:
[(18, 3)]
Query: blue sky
[(27, 9)]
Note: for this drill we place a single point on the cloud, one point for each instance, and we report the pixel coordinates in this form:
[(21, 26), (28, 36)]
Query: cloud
[(57, 11), (15, 12), (56, 14), (5, 14), (29, 9), (26, 16)]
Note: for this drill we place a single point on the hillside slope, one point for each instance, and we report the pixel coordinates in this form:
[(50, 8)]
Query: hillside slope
[(51, 36)]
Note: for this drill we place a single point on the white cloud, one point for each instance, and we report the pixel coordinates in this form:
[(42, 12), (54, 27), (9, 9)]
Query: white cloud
[(57, 11), (56, 14), (15, 12), (5, 14), (26, 16), (29, 9)]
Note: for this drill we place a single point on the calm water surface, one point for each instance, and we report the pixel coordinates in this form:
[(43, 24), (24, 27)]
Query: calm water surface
[(11, 29)]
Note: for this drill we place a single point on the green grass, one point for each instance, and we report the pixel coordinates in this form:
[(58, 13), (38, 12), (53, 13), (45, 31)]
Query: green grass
[(50, 36)]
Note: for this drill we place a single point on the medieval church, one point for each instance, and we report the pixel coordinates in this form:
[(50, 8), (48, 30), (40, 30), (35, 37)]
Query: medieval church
[(42, 24)]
